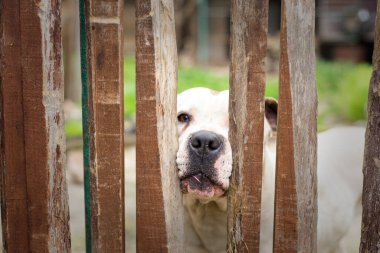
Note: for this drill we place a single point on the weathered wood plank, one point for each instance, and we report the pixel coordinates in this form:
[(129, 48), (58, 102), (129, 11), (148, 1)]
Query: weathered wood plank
[(296, 188), (370, 233), (249, 26), (13, 179), (43, 118), (104, 125), (33, 65), (159, 201)]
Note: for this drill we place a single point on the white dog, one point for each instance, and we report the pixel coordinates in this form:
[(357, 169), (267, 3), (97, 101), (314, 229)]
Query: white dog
[(204, 167)]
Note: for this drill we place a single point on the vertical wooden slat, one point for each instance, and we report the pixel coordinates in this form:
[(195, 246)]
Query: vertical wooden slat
[(103, 124), (370, 232), (13, 178), (247, 79), (296, 188), (34, 150), (159, 201)]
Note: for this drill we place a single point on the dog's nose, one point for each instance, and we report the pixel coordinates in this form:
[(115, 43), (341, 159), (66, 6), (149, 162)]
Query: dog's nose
[(205, 142)]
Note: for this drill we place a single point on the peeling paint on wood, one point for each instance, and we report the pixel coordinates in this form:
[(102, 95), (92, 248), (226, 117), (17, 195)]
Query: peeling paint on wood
[(296, 183), (159, 200), (370, 232), (249, 27)]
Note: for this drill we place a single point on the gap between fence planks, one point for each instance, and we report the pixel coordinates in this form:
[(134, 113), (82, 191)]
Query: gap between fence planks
[(296, 183), (370, 233), (249, 27), (102, 77), (159, 200), (34, 203)]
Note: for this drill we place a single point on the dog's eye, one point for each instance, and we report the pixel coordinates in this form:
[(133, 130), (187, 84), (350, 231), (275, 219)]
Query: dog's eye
[(184, 118)]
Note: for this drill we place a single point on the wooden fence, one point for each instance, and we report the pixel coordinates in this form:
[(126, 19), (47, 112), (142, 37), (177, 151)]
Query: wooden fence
[(370, 238), (103, 124), (34, 204)]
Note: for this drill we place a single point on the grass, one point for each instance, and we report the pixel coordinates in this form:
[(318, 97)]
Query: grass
[(73, 128), (342, 90), (187, 78)]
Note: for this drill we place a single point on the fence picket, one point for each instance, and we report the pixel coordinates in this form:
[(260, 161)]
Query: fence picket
[(103, 124), (13, 178), (296, 188), (249, 26), (34, 195), (370, 237), (159, 200)]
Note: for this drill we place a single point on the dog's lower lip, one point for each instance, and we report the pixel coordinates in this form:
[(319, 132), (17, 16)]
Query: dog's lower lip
[(202, 189), (201, 185), (200, 174)]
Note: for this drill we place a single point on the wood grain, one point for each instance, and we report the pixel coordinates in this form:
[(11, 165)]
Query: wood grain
[(159, 201), (296, 182), (370, 232), (13, 177), (249, 26), (34, 192), (104, 48)]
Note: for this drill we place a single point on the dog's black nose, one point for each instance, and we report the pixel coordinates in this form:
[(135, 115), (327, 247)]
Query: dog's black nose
[(205, 142)]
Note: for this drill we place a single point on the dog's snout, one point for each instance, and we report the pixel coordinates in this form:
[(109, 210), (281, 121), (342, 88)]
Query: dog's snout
[(205, 142)]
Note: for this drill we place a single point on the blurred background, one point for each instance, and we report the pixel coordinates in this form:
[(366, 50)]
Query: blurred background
[(344, 45)]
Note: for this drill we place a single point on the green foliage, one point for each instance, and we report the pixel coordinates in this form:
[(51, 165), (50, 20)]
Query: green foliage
[(196, 77), (73, 128), (129, 87), (187, 78), (342, 90)]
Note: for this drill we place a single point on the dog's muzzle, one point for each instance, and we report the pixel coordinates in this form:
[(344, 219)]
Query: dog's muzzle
[(201, 177)]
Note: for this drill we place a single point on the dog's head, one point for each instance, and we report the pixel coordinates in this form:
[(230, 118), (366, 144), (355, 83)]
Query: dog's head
[(204, 157)]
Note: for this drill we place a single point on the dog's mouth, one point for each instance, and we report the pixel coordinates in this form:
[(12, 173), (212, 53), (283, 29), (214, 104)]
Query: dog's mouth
[(202, 186)]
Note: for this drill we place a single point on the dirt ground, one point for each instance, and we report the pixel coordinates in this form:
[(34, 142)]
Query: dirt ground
[(76, 199)]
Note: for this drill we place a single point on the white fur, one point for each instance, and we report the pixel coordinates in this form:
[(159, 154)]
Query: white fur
[(340, 154), (208, 111)]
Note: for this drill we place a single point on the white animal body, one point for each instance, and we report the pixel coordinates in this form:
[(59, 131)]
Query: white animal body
[(205, 165)]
